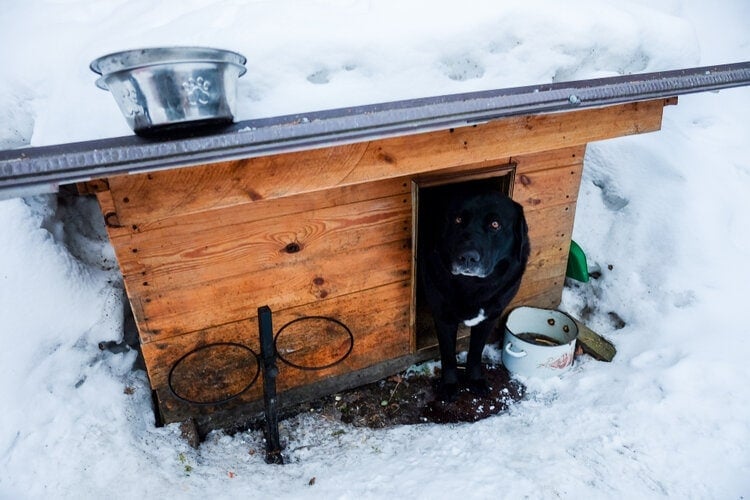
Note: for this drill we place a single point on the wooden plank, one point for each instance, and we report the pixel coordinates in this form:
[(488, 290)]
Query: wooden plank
[(229, 299), (111, 217), (491, 169), (263, 209), (188, 190), (539, 293), (553, 186), (550, 229), (594, 344), (195, 189), (211, 246), (524, 164), (378, 320), (550, 223), (549, 159)]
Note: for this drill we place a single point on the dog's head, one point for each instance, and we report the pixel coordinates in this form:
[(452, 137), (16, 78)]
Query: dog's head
[(481, 231)]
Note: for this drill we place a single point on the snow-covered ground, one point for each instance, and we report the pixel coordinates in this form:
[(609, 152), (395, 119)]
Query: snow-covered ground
[(665, 216)]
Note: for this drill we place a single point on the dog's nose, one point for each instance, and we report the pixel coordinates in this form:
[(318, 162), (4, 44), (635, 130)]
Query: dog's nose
[(469, 257)]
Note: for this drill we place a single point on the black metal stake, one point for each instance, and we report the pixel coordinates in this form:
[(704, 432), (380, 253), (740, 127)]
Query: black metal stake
[(268, 354)]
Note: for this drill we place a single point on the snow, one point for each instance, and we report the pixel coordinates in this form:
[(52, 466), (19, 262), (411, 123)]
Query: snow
[(663, 216)]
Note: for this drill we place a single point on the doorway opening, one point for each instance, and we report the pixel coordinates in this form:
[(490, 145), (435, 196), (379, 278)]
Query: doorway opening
[(428, 194)]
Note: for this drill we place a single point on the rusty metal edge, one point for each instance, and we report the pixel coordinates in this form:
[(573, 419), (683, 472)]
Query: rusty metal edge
[(27, 171)]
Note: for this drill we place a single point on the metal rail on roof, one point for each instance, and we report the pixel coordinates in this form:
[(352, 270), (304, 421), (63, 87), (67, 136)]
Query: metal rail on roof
[(26, 171)]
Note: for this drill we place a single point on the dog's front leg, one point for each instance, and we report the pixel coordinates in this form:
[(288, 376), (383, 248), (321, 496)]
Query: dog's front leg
[(474, 378), (446, 333)]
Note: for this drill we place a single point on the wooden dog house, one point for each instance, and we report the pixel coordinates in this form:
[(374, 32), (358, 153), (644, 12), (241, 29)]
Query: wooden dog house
[(322, 230), (325, 238)]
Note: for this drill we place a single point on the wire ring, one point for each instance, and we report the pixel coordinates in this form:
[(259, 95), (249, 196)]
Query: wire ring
[(311, 368), (170, 383)]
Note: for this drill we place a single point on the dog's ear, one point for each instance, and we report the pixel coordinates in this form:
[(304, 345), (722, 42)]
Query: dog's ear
[(521, 235)]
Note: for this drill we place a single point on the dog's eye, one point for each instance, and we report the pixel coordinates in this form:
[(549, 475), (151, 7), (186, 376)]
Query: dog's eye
[(495, 225), (458, 220)]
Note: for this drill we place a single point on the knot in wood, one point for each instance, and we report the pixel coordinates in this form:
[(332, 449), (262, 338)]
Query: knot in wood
[(293, 247)]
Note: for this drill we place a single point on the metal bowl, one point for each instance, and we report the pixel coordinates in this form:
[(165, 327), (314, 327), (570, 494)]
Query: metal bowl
[(539, 342), (168, 88)]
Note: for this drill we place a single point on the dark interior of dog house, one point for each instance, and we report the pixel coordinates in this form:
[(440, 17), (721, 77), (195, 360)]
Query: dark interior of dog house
[(428, 193)]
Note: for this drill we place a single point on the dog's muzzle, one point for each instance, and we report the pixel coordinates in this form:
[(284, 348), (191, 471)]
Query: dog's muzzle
[(469, 263)]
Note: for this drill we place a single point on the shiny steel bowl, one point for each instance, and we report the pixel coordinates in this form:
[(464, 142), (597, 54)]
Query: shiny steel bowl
[(164, 89)]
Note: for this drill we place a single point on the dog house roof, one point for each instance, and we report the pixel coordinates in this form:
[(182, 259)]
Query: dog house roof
[(38, 170)]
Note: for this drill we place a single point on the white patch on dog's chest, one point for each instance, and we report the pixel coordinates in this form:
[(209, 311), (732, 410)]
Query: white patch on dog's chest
[(476, 320)]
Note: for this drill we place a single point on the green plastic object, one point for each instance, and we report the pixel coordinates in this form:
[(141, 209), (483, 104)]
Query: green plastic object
[(578, 269)]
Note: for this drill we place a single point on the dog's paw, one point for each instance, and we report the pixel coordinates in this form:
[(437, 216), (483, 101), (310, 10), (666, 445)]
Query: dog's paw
[(478, 387), (448, 392)]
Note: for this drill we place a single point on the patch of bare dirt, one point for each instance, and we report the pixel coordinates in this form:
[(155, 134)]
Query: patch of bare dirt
[(403, 400)]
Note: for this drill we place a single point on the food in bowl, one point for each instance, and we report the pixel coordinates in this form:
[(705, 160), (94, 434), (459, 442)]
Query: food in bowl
[(538, 342)]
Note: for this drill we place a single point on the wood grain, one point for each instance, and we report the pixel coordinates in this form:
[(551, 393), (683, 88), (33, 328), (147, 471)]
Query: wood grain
[(144, 198), (211, 247), (180, 310), (377, 318)]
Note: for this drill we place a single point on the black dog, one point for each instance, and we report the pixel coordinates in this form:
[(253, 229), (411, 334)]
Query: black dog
[(473, 249)]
